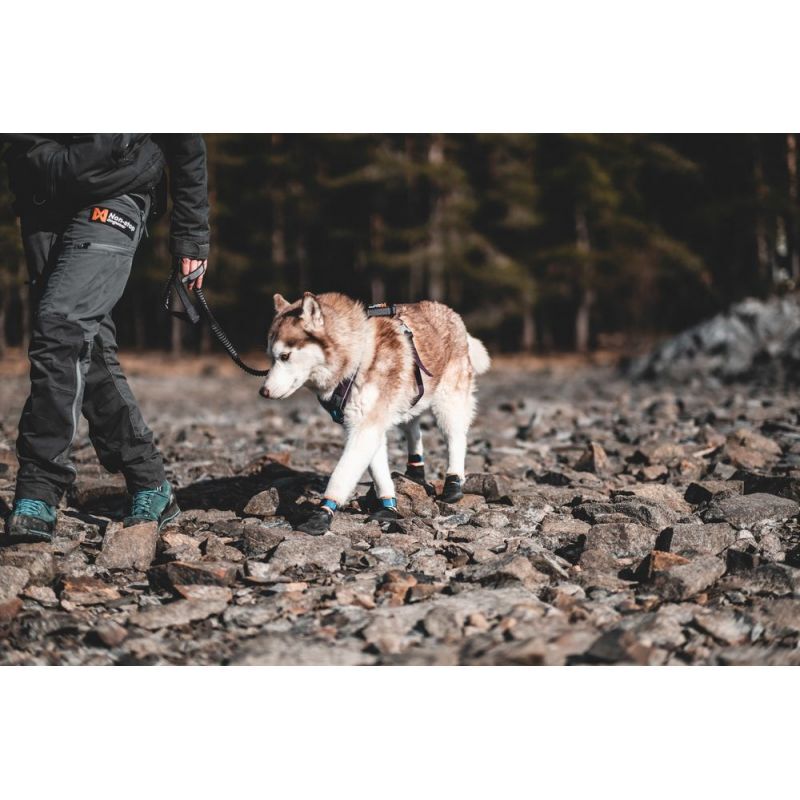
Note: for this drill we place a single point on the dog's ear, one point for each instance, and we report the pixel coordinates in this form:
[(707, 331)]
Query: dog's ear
[(281, 303), (312, 312)]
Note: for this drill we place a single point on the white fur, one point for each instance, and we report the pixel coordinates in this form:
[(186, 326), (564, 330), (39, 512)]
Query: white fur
[(286, 377), (478, 356)]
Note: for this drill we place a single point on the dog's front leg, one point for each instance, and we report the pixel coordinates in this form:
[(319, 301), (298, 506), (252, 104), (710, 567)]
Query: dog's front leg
[(359, 451)]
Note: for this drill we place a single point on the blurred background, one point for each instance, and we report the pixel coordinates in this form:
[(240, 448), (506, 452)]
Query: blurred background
[(545, 243)]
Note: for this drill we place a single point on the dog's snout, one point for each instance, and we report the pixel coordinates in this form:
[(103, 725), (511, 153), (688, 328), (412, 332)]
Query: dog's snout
[(264, 392)]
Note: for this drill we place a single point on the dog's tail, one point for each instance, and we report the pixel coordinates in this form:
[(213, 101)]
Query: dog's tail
[(478, 356)]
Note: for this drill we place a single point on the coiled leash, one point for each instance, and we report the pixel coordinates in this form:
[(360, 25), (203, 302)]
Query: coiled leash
[(177, 283)]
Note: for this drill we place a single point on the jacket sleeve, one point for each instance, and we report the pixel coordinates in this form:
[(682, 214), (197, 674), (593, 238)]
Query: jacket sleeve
[(188, 179)]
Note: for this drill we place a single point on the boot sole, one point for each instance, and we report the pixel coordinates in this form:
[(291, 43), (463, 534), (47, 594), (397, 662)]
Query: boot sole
[(26, 538), (172, 512)]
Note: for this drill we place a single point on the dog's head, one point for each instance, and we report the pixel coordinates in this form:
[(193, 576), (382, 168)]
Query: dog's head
[(296, 345)]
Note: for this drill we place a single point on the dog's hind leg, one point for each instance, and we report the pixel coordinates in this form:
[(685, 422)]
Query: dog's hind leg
[(380, 473), (454, 411), (415, 468)]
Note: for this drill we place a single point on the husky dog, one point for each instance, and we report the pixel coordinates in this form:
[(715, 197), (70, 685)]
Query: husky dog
[(365, 370)]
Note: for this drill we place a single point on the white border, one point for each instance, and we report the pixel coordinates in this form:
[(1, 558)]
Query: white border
[(419, 65)]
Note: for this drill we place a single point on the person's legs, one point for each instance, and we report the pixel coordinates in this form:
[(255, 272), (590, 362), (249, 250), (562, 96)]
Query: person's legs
[(87, 270), (121, 438)]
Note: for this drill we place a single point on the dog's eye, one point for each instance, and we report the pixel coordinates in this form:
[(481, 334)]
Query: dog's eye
[(284, 356)]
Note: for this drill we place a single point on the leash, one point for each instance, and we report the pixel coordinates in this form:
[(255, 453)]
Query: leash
[(335, 405), (177, 283)]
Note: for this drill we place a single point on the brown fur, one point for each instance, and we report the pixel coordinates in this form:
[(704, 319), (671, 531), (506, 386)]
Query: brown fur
[(439, 336)]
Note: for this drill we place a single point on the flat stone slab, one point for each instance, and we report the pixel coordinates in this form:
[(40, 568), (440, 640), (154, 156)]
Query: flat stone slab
[(751, 510)]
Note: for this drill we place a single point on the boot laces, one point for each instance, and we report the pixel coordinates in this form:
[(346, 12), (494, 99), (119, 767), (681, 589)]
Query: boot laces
[(142, 502), (31, 508)]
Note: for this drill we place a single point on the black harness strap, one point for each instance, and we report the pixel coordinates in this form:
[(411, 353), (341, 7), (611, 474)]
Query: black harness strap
[(335, 405), (338, 400)]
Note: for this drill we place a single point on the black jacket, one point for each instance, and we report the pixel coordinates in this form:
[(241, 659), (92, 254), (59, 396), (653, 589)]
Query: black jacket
[(64, 172)]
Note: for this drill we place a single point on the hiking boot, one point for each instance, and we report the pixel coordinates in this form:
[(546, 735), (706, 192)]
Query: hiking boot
[(153, 505), (30, 521)]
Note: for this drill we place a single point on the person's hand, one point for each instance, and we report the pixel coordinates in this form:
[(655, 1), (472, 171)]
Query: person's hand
[(188, 266)]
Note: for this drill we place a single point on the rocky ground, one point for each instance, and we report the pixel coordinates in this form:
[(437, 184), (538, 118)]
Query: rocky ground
[(606, 523)]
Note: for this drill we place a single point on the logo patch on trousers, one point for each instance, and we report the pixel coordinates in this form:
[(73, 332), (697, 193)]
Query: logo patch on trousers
[(120, 222)]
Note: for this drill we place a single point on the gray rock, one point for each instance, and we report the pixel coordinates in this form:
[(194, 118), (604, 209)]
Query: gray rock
[(129, 548), (193, 573), (110, 633), (36, 559), (444, 623), (660, 494), (263, 504), (317, 552), (494, 488), (727, 626), (87, 591), (284, 650), (505, 571), (389, 556), (12, 581), (43, 595), (704, 491), (257, 540), (687, 580), (180, 547), (751, 510), (689, 538), (771, 579), (181, 612), (594, 459), (621, 539)]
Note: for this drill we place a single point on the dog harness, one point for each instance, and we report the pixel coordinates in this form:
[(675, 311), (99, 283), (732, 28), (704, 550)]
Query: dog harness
[(336, 403)]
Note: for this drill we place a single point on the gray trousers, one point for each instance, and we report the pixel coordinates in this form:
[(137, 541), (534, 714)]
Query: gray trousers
[(78, 267)]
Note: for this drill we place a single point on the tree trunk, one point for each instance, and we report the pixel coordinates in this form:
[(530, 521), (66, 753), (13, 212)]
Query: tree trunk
[(527, 342), (301, 255), (176, 337), (213, 251), (3, 316), (436, 251), (377, 283), (416, 266), (583, 315), (791, 168), (762, 245)]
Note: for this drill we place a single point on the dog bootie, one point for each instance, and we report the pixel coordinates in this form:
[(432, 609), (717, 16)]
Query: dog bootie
[(415, 471), (453, 491), (386, 511), (319, 521)]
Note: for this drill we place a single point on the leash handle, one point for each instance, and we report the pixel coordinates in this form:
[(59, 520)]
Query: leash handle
[(178, 282), (193, 275)]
